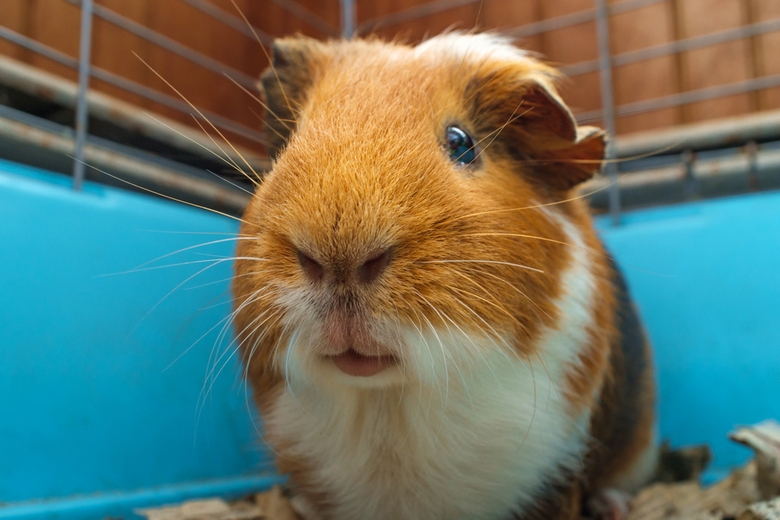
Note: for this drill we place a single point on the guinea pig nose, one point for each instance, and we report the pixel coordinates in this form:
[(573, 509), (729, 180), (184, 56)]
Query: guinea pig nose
[(374, 266), (311, 268)]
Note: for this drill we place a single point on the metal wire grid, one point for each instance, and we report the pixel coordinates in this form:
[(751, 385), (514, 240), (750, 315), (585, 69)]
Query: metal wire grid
[(86, 70), (599, 14), (604, 63)]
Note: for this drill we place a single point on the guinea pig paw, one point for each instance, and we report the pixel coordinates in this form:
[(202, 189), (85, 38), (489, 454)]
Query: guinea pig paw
[(609, 504)]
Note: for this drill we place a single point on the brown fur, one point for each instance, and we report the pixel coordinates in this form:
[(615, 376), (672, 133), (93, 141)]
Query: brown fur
[(356, 132)]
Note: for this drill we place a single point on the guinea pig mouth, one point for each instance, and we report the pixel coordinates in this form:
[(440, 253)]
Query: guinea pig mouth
[(355, 364)]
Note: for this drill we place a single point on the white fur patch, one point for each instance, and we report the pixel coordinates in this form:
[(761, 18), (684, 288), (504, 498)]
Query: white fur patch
[(480, 434), (476, 46)]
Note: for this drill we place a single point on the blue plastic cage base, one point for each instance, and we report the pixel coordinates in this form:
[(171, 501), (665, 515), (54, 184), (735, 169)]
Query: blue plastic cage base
[(94, 402), (123, 504)]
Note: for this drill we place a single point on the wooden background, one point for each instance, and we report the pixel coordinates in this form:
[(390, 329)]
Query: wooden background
[(56, 23)]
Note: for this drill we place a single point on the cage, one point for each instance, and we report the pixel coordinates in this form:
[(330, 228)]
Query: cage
[(119, 383)]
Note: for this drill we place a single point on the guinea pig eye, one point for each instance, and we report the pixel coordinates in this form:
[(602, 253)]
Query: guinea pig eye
[(460, 146)]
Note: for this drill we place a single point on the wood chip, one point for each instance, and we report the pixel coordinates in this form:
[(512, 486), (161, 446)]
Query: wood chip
[(737, 497), (276, 505), (214, 509), (762, 511), (688, 501), (764, 438), (271, 505)]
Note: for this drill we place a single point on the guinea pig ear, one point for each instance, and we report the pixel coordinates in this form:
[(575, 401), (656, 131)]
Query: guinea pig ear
[(285, 84), (540, 130), (564, 168)]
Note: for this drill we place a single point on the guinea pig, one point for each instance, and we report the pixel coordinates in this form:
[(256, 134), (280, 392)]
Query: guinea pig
[(430, 325)]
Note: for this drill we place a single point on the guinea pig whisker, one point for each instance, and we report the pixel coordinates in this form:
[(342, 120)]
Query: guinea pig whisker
[(209, 305), (494, 134), (249, 411), (543, 360), (430, 354), (397, 323), (194, 343), (444, 317), (481, 262), (260, 101), (218, 341), (443, 399), (497, 132), (443, 352), (191, 262), (142, 188), (290, 348), (533, 410), (224, 364), (275, 350), (617, 160), (206, 389), (213, 263), (276, 315), (223, 280), (191, 232), (495, 301), (583, 248), (265, 51), (535, 206), (477, 348), (492, 304), (232, 352), (220, 177), (500, 279), (274, 130), (212, 305), (495, 335), (521, 235), (227, 159), (529, 366), (212, 242), (197, 110)]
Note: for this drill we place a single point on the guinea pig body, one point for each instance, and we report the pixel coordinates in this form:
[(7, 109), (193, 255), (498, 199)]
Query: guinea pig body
[(431, 326)]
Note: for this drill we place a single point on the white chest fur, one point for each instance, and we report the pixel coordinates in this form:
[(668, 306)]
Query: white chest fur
[(479, 443)]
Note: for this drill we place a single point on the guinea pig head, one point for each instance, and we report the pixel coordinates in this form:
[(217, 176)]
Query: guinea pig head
[(404, 229)]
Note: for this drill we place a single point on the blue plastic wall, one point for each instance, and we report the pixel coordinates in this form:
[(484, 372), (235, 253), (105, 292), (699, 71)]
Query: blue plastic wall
[(101, 374), (87, 401), (712, 307)]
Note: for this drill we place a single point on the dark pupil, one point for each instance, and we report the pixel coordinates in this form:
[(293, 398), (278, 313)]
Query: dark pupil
[(460, 145)]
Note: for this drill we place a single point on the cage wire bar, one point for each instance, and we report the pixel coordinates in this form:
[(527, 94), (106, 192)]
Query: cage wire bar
[(234, 22), (169, 44), (349, 27), (307, 16), (82, 112), (86, 70), (130, 86), (348, 17), (605, 62), (686, 44), (412, 13), (607, 107), (580, 17)]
